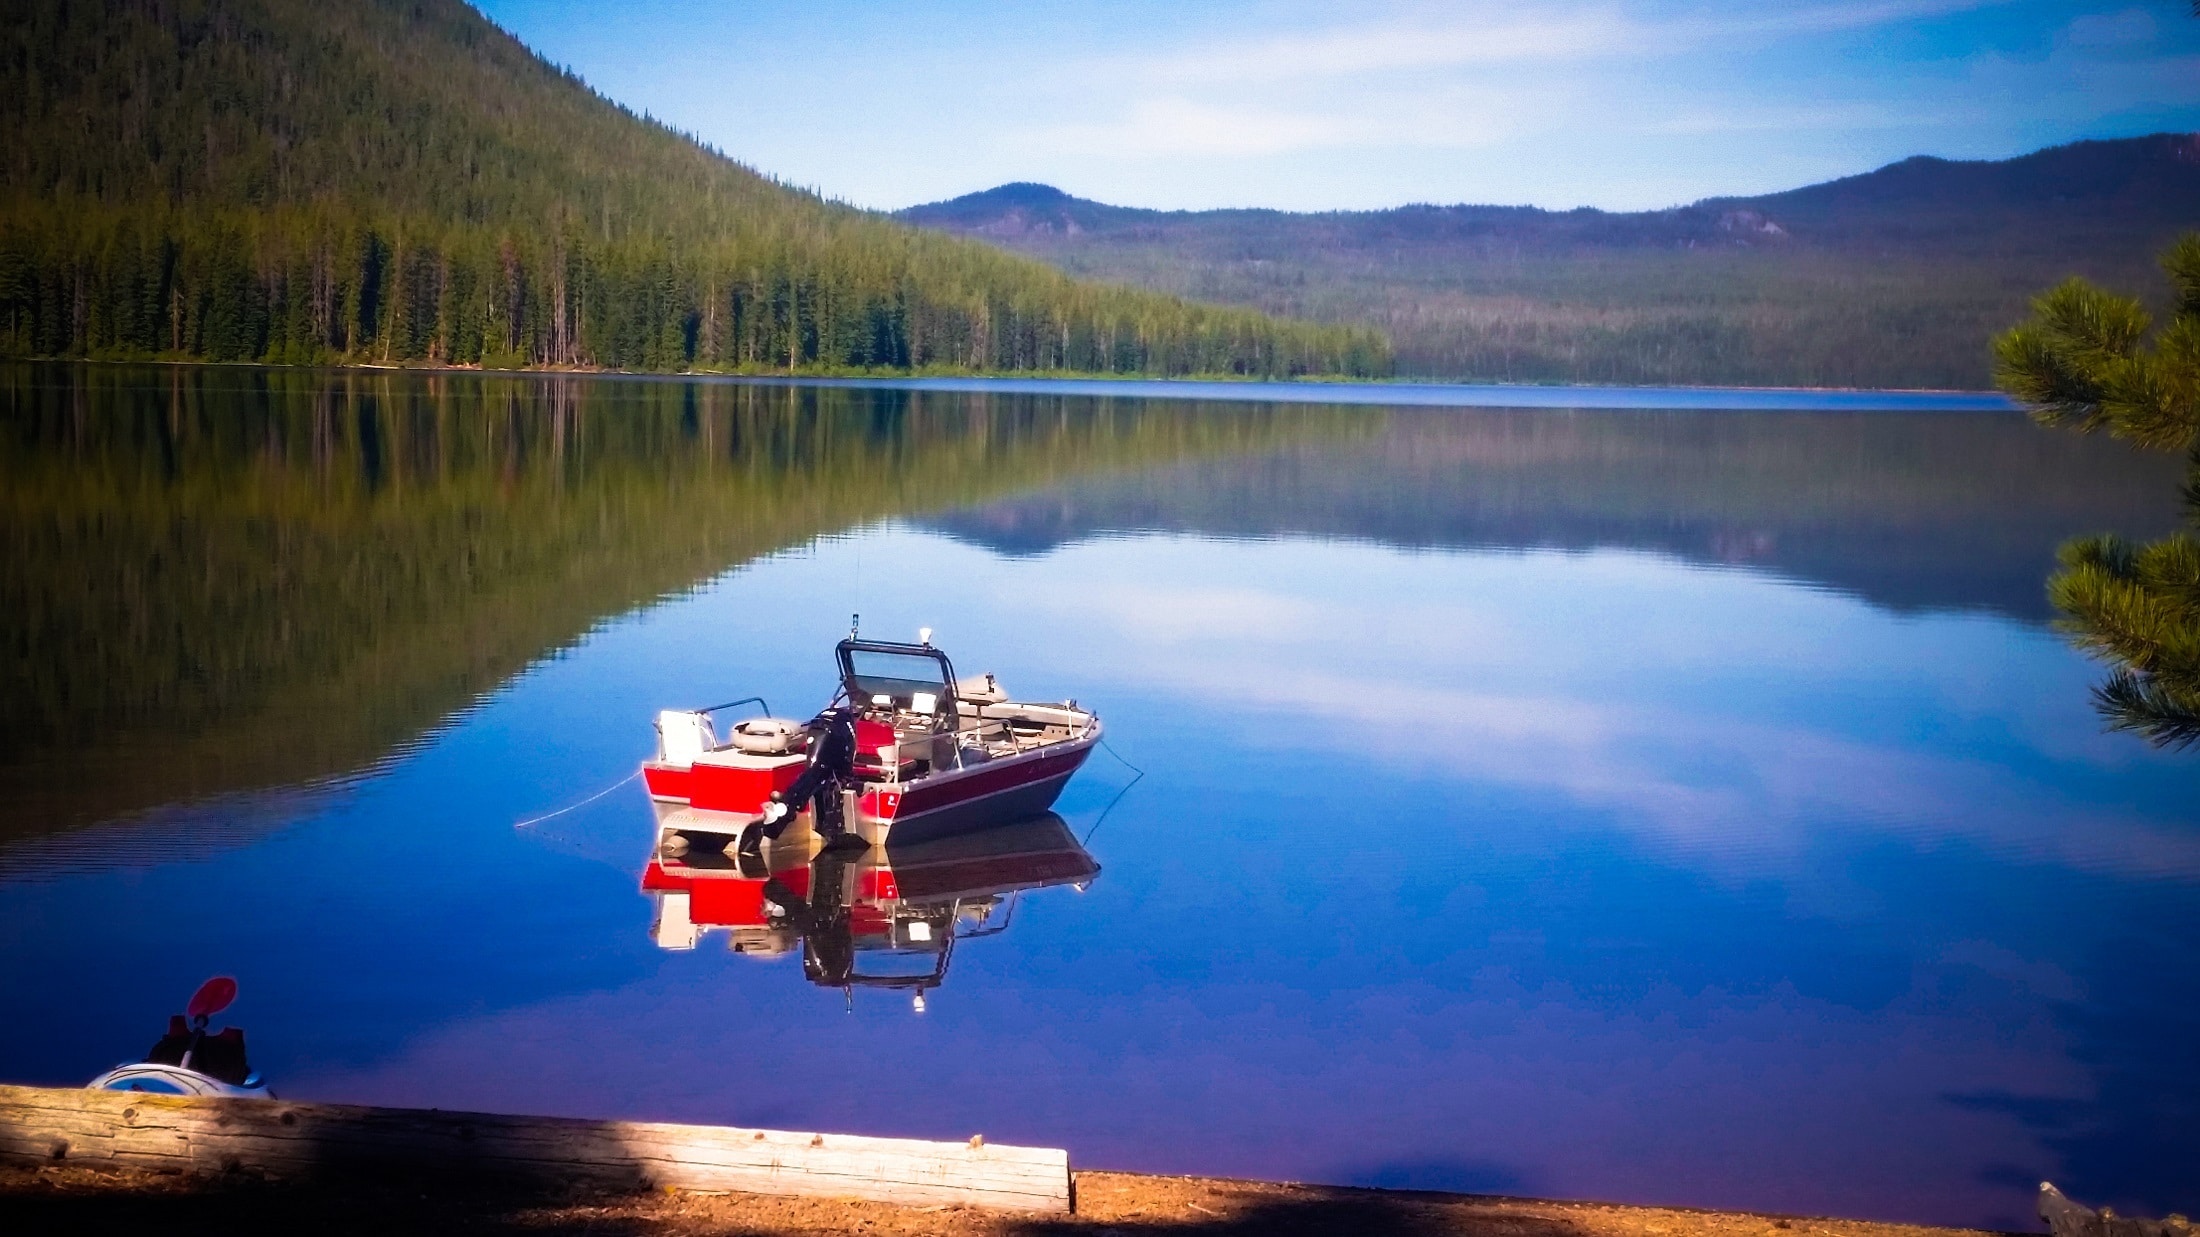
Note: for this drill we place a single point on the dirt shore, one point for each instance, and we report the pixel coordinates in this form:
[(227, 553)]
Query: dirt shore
[(67, 1200)]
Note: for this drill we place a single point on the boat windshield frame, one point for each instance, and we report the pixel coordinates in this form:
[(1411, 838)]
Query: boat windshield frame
[(859, 688), (930, 979)]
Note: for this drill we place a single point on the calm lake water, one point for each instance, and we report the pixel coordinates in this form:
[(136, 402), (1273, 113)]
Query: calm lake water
[(1657, 805)]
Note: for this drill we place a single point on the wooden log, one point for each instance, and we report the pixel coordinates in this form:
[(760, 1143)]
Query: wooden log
[(282, 1138)]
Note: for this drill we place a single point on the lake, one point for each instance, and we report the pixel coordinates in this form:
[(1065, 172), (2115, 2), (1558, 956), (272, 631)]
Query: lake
[(1659, 804)]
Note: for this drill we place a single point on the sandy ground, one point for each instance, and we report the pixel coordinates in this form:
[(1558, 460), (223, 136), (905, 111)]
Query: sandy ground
[(69, 1200)]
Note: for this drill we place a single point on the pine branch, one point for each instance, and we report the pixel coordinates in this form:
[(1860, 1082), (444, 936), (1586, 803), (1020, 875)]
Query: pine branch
[(2110, 615), (2182, 263), (2139, 608), (2082, 361), (2154, 402), (2136, 705), (2032, 365), (2063, 361)]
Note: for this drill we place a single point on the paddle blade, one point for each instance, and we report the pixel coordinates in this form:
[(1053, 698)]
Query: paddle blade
[(212, 997)]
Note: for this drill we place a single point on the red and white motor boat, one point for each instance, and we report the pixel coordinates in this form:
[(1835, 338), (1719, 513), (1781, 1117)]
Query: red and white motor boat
[(932, 755)]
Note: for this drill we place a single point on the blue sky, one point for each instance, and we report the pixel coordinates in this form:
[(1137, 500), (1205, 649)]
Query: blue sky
[(1627, 104)]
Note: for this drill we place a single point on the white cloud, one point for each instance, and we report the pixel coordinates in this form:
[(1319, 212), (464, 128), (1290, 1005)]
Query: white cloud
[(1178, 126), (1781, 785), (1752, 116), (1352, 50), (1828, 18), (1520, 35), (1416, 80)]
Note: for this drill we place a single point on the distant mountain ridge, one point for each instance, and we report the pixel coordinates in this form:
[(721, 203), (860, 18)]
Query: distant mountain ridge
[(1895, 277), (1024, 208), (2154, 178), (2090, 169)]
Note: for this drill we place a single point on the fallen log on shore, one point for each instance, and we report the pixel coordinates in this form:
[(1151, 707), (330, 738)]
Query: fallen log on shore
[(279, 1138)]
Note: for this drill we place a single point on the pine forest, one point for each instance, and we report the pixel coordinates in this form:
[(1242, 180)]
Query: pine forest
[(385, 182)]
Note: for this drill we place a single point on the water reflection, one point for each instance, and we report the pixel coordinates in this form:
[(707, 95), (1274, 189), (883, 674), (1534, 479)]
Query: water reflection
[(878, 918), (221, 581), (1676, 807), (1924, 512), (224, 581)]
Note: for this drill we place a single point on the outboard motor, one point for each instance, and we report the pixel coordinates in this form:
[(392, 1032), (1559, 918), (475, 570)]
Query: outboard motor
[(832, 750), (189, 1060)]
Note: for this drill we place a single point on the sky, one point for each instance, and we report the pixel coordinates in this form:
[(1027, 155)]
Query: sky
[(1193, 104)]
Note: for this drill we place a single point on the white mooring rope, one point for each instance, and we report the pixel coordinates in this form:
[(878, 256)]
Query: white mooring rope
[(536, 820)]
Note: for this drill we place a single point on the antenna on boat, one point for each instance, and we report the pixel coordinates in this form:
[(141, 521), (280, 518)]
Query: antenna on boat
[(855, 625)]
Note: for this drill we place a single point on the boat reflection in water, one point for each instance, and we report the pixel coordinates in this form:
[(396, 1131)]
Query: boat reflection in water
[(863, 917)]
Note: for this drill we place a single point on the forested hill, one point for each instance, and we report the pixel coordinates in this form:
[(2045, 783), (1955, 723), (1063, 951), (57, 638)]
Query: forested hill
[(1897, 277), (400, 180)]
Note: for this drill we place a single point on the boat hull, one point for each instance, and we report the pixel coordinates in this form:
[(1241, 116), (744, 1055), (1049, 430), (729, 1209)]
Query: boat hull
[(967, 800), (158, 1079), (943, 804)]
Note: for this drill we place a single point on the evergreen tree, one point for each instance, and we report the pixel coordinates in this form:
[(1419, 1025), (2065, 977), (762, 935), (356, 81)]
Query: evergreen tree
[(2086, 361)]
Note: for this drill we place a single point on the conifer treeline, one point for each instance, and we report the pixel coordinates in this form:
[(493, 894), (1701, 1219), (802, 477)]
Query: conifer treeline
[(314, 286), (373, 181)]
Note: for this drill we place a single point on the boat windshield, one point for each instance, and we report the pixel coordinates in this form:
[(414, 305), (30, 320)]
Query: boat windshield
[(901, 672), (901, 967)]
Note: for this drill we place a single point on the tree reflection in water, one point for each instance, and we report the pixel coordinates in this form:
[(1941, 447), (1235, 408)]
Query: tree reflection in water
[(232, 580)]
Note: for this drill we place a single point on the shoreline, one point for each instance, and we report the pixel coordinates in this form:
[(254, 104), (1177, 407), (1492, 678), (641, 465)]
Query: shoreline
[(1391, 392), (69, 1198)]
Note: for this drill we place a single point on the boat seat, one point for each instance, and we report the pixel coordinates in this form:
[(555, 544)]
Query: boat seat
[(169, 1051), (221, 1055), (682, 736)]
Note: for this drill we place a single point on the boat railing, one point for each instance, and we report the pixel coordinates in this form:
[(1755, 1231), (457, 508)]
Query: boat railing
[(975, 728), (758, 701)]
